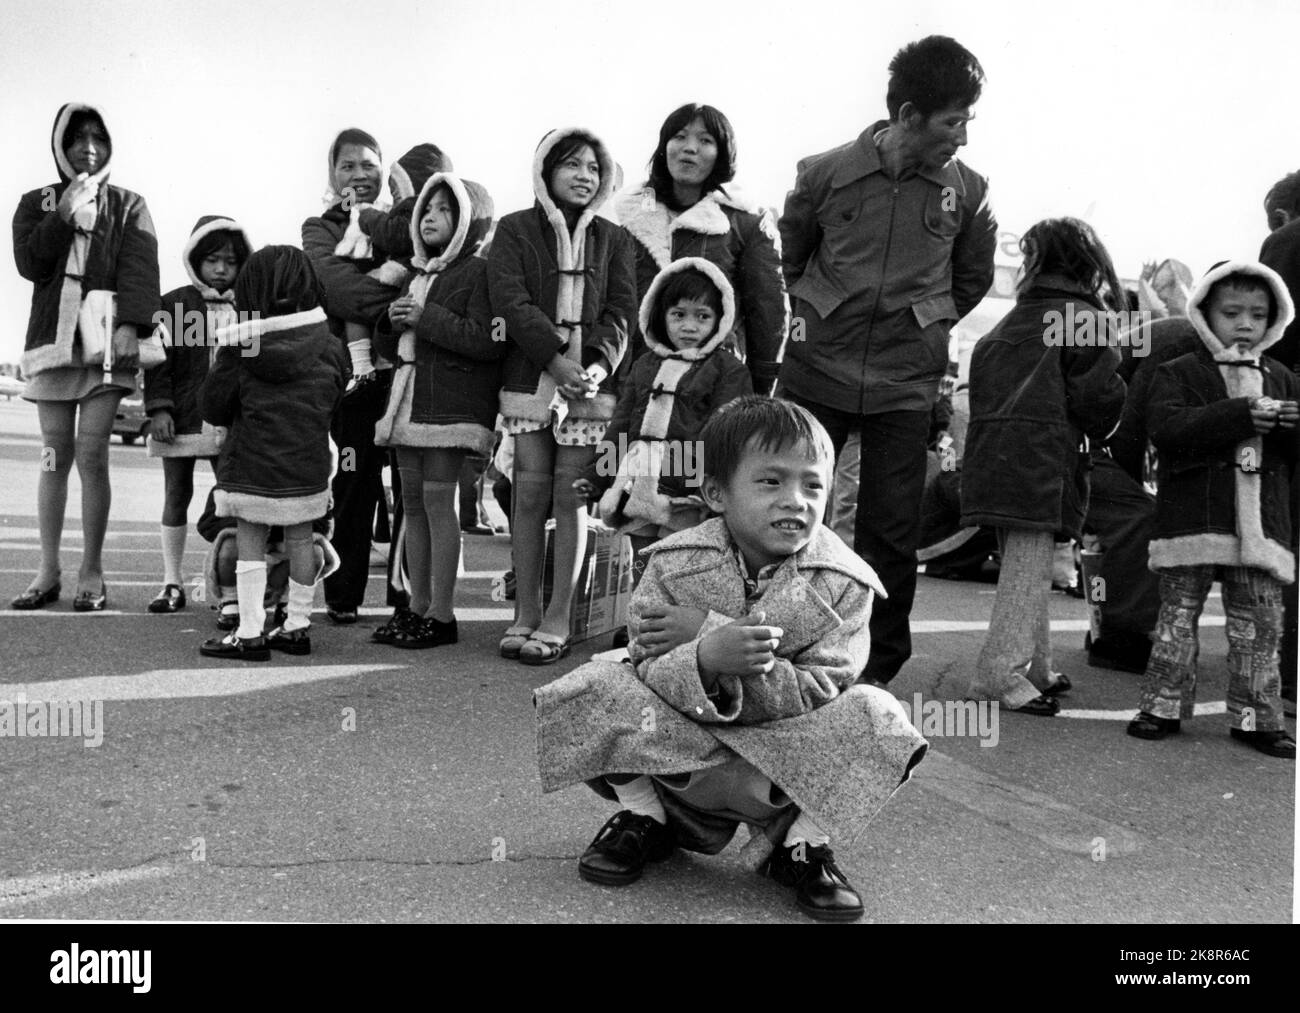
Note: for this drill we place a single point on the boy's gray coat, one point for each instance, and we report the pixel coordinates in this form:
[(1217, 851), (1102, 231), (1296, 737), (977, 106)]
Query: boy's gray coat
[(838, 750)]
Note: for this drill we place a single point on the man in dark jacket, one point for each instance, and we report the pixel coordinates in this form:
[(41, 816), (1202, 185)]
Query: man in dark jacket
[(886, 243)]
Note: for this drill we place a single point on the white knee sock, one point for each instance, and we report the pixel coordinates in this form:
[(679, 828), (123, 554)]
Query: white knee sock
[(300, 601), (804, 829), (173, 550), (250, 579), (641, 798)]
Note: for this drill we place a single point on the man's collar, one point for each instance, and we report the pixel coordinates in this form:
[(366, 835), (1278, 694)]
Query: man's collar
[(863, 158)]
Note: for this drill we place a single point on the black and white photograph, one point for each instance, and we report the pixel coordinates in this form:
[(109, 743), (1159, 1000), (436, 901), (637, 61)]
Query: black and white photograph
[(651, 463)]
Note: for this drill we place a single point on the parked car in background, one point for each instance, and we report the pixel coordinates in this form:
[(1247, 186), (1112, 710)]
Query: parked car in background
[(131, 423), (11, 388)]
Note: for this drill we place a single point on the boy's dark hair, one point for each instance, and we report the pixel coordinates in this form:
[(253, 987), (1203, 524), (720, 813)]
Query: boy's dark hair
[(717, 124), (770, 423), (688, 283), (1283, 196), (567, 145), (276, 281), (933, 73), (1070, 248), (214, 241), (1243, 282)]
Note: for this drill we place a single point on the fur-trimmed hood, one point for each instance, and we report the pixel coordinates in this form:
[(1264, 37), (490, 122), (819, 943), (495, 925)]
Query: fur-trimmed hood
[(659, 343), (1195, 313), (61, 120), (608, 179), (407, 176), (474, 212), (640, 212), (205, 226)]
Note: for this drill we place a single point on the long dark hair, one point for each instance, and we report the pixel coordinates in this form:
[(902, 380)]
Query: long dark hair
[(561, 150), (717, 124), (1069, 248)]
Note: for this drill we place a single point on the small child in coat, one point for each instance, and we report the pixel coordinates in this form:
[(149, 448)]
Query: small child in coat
[(648, 465), (1223, 420), (741, 708), (443, 400), (216, 250), (275, 465)]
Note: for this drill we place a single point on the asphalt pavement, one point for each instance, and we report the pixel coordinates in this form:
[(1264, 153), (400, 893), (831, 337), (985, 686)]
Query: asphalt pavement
[(365, 783)]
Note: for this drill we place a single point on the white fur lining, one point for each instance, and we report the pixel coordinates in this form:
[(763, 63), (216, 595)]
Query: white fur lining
[(218, 224), (715, 275), (243, 333), (249, 506), (1221, 550), (652, 224)]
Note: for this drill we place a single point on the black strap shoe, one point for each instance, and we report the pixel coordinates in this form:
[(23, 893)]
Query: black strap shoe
[(625, 843), (170, 599), (1148, 726), (289, 641), (33, 599), (227, 620), (822, 891), (1040, 706), (1274, 743), (234, 649), (91, 601)]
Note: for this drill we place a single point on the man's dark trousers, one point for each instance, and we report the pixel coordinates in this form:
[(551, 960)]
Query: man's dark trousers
[(887, 529)]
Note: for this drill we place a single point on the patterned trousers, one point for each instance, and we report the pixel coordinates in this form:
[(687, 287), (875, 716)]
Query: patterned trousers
[(1252, 601)]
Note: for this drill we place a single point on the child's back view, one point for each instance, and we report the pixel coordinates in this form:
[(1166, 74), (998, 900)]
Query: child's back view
[(1223, 421)]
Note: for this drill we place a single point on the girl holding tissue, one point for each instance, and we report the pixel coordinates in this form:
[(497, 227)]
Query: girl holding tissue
[(92, 255), (562, 283)]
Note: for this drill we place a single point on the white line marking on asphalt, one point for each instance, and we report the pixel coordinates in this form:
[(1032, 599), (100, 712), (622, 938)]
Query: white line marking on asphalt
[(28, 889), (982, 625), (1213, 707), (1006, 803), (176, 684), (463, 615)]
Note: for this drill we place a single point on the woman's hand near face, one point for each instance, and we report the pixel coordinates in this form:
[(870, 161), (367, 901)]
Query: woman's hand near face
[(74, 196)]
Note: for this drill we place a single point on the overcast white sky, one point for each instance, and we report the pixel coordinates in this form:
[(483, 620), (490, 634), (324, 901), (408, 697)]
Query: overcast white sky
[(1165, 122)]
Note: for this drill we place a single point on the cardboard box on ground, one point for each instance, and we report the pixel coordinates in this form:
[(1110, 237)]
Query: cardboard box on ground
[(604, 581)]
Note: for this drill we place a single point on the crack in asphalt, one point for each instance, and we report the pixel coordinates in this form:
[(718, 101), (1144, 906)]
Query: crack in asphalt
[(377, 860)]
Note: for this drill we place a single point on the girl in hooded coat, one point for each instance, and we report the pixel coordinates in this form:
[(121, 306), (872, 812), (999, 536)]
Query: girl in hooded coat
[(274, 469), (563, 282), (191, 315), (443, 400), (91, 253)]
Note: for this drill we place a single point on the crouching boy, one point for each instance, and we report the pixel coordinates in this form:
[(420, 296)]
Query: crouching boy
[(738, 706)]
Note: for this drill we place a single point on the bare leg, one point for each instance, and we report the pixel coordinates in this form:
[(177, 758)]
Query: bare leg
[(531, 500), (58, 428), (410, 465), (441, 467), (93, 430), (570, 537)]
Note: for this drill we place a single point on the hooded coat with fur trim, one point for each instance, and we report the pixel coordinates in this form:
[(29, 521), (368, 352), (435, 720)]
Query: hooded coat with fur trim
[(533, 266), (390, 231), (444, 391), (190, 316), (122, 257), (838, 750), (277, 405), (668, 396), (1223, 493), (1031, 406), (741, 239)]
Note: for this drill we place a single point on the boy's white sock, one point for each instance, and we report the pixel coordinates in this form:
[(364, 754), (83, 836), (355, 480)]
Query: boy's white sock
[(804, 829), (640, 797), (250, 584), (173, 549), (300, 600), (229, 593), (360, 353)]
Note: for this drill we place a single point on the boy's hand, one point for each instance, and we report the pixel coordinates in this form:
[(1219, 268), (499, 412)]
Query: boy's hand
[(401, 311), (1288, 414), (667, 626), (742, 648), (585, 490), (162, 427)]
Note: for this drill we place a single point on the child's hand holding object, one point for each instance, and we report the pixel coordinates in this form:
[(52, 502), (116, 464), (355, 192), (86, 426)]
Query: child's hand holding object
[(667, 626), (744, 647)]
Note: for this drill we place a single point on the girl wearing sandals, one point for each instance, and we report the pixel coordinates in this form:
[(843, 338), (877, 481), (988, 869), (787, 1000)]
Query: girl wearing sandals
[(563, 281), (443, 399), (216, 250), (91, 253)]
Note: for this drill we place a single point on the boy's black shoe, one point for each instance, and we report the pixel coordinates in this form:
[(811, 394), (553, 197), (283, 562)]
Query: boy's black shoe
[(1148, 726), (821, 890), (620, 639), (1276, 743), (234, 649), (623, 846), (290, 641), (401, 618)]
